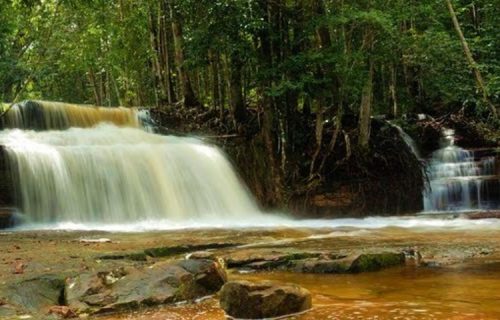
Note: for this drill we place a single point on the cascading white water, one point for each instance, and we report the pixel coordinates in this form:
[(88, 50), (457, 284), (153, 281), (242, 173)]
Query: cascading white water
[(46, 115), (458, 181), (108, 174), (407, 139)]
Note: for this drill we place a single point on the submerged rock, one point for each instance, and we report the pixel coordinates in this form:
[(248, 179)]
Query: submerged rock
[(377, 261), (320, 266), (174, 250), (316, 262), (264, 299), (128, 288)]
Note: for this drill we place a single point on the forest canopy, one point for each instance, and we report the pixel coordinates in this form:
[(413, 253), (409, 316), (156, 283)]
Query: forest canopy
[(300, 55)]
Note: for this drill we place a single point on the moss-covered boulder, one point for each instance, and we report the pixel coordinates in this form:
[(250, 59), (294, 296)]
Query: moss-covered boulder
[(320, 266), (376, 261)]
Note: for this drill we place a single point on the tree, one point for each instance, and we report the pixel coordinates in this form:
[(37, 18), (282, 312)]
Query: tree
[(470, 59)]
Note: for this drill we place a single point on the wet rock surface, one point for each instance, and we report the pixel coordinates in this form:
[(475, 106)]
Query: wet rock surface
[(7, 218), (377, 261), (174, 250), (314, 262), (129, 288), (263, 299), (36, 294)]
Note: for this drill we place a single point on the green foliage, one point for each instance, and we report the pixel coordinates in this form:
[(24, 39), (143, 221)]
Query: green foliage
[(102, 51)]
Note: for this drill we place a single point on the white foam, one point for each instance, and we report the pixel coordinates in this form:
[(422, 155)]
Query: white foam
[(271, 221)]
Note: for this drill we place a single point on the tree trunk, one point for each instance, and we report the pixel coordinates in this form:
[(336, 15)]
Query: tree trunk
[(472, 63), (268, 123), (236, 93), (93, 81), (166, 60), (365, 109), (214, 78), (392, 89), (186, 88), (323, 39), (155, 47)]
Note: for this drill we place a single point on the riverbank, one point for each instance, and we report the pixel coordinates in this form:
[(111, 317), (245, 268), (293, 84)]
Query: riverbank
[(455, 274)]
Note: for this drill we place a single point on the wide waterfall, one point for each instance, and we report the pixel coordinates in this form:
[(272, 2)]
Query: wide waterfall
[(460, 180), (44, 115), (114, 175)]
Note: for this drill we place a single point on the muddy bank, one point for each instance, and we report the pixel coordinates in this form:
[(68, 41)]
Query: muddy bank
[(466, 256)]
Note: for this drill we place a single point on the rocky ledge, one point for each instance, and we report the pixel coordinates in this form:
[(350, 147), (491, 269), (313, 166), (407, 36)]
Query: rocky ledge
[(312, 262), (125, 288)]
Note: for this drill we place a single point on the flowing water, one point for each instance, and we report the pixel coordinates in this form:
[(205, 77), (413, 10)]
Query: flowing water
[(408, 140), (460, 180), (45, 115), (104, 174)]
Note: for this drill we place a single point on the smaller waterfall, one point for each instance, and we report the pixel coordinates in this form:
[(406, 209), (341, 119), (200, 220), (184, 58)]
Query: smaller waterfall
[(407, 139), (45, 115), (459, 179)]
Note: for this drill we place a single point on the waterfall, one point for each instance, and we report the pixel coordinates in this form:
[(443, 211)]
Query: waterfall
[(459, 179), (44, 115), (110, 174), (407, 139)]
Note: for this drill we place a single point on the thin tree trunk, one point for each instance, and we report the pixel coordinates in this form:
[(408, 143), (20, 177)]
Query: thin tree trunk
[(186, 88), (93, 81), (154, 43), (166, 54), (319, 137), (323, 39), (236, 93), (117, 91), (333, 141), (214, 78), (269, 107), (365, 109), (392, 89), (470, 59)]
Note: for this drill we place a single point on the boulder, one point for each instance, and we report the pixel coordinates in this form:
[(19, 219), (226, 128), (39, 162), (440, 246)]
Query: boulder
[(36, 294), (265, 260), (377, 261), (320, 266), (8, 218), (263, 299), (133, 287)]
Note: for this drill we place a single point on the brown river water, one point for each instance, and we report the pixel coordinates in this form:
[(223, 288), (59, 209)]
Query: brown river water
[(464, 292)]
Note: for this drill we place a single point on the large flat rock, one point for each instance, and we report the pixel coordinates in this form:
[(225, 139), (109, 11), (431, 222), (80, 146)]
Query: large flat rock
[(133, 287)]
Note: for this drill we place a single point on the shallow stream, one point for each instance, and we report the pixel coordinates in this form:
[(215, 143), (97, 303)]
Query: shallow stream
[(470, 292)]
